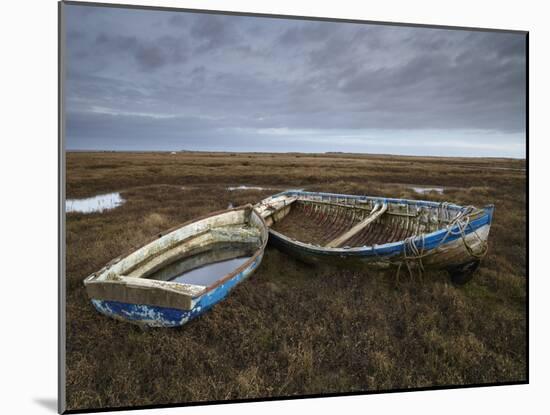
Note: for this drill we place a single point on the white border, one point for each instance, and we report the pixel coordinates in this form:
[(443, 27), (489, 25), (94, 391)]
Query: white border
[(29, 177)]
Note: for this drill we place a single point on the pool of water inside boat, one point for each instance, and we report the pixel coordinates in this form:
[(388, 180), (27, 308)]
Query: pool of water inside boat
[(206, 268)]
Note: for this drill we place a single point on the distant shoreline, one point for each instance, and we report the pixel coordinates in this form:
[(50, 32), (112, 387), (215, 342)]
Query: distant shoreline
[(327, 153)]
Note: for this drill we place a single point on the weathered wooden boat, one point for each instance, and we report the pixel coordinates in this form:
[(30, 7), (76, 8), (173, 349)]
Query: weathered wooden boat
[(183, 272), (326, 227)]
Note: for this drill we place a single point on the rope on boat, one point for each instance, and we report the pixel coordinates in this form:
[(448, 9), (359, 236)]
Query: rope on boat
[(412, 255), (444, 212), (462, 221)]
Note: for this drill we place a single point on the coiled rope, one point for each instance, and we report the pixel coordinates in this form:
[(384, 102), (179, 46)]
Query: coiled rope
[(412, 255)]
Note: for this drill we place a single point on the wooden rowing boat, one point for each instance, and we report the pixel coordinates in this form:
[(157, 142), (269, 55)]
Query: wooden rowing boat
[(326, 227), (183, 272)]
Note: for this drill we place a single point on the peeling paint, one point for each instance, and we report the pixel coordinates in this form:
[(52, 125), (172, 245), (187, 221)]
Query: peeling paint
[(434, 228), (154, 316), (125, 288)]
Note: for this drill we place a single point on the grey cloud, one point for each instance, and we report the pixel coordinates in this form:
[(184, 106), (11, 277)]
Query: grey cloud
[(213, 32), (208, 74), (177, 19), (315, 32), (148, 54), (150, 57), (106, 44)]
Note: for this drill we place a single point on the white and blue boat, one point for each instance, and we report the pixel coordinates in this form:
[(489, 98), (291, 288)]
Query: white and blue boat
[(183, 272), (378, 231)]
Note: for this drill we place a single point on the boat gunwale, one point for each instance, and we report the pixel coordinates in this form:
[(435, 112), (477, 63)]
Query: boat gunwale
[(418, 202), (246, 264), (171, 285), (390, 248)]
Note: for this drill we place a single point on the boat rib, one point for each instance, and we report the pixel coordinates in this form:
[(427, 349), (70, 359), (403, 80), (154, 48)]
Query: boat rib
[(378, 211)]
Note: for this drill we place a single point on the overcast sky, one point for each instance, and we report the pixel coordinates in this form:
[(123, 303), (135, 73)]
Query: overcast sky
[(157, 80)]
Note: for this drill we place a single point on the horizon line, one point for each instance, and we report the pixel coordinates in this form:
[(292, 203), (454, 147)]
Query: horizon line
[(288, 152)]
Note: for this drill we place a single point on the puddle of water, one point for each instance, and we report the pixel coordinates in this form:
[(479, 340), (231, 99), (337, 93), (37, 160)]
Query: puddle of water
[(423, 190), (243, 187), (206, 268), (97, 203), (209, 274)]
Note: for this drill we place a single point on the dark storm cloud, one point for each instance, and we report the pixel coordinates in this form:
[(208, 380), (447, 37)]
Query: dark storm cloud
[(162, 51), (212, 32), (141, 79), (148, 54), (314, 32)]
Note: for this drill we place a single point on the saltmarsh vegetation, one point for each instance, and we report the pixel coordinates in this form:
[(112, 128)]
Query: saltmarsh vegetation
[(293, 329)]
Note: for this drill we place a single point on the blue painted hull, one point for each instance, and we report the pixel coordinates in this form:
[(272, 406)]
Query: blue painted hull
[(375, 253), (154, 316)]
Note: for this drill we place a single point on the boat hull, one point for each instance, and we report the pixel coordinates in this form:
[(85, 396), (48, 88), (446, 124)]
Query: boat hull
[(155, 316), (140, 287), (449, 254), (452, 246)]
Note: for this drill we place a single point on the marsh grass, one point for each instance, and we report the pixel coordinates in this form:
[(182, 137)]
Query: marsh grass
[(293, 329)]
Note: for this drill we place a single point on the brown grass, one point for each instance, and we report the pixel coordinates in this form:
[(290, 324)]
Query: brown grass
[(292, 329)]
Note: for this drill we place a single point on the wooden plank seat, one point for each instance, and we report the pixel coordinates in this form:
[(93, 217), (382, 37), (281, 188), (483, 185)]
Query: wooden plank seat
[(378, 211)]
